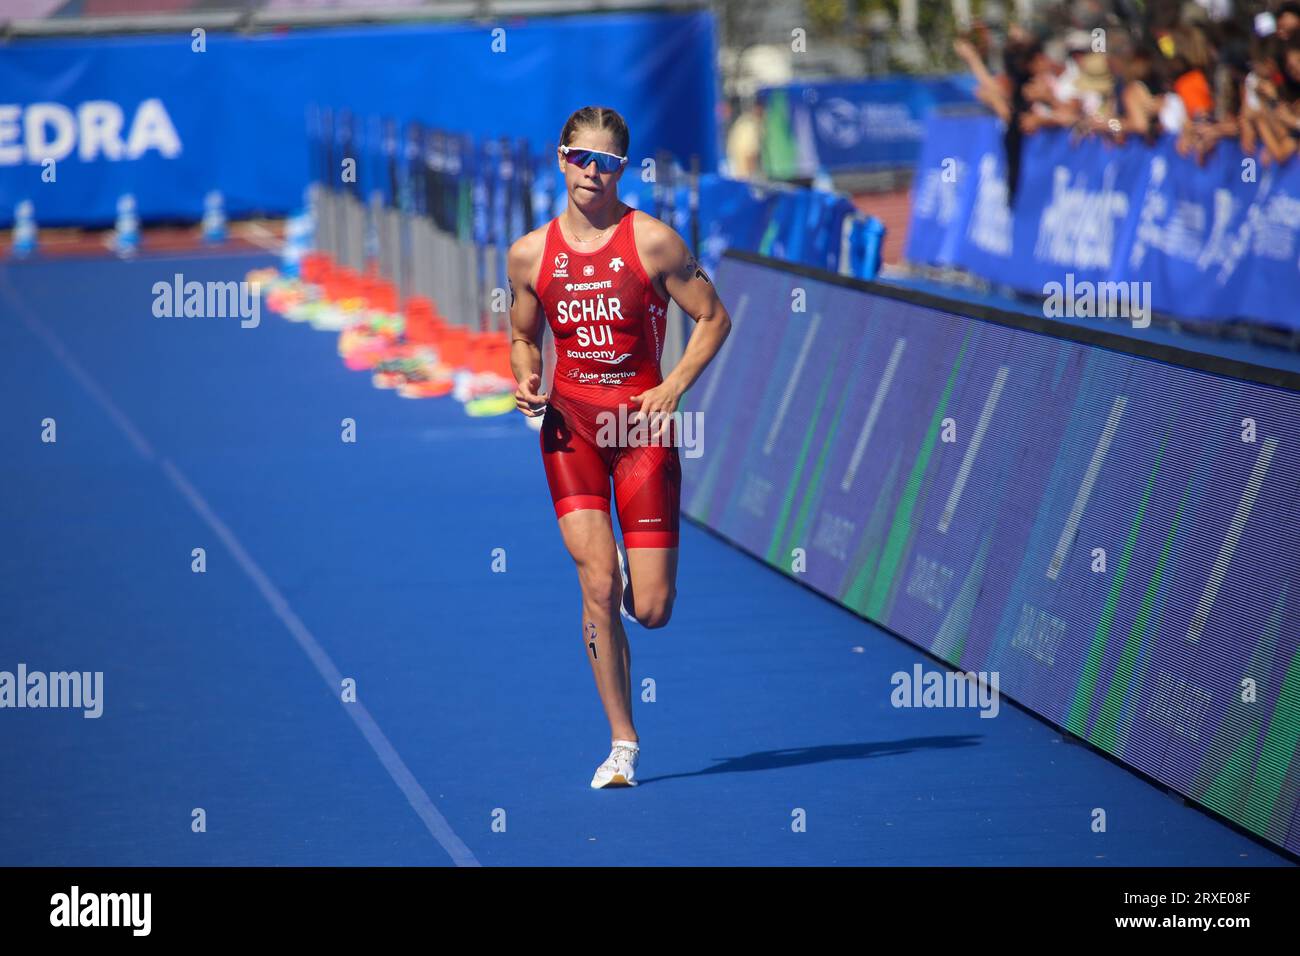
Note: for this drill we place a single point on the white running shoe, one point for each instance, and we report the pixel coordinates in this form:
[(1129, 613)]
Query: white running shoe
[(619, 768), (622, 570)]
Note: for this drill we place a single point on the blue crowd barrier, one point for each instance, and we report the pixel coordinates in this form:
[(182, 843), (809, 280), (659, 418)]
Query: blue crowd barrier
[(806, 226), (473, 187), (1216, 242)]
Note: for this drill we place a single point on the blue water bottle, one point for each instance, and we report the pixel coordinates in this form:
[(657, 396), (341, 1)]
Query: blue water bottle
[(24, 229), (214, 218), (126, 231), (297, 239)]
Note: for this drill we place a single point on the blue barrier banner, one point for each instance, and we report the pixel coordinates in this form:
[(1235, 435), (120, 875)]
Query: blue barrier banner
[(1212, 242), (807, 226), (1082, 526), (859, 124), (155, 117)]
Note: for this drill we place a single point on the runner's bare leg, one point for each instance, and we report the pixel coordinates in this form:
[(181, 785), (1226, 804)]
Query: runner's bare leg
[(589, 536)]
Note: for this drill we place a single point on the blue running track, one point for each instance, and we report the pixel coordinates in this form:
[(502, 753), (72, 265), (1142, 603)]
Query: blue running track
[(373, 561)]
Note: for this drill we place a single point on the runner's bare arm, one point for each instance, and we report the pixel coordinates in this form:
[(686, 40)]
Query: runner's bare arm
[(527, 322), (686, 282)]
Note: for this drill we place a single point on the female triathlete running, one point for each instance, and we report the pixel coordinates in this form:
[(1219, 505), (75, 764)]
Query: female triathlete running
[(600, 274)]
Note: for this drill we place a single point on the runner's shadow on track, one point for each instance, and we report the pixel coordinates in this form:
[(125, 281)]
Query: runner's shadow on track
[(799, 756)]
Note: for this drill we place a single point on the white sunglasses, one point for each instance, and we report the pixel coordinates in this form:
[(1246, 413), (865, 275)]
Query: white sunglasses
[(605, 162)]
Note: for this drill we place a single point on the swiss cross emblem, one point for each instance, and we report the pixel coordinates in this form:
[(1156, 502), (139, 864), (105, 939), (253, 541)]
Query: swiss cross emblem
[(616, 263), (588, 270)]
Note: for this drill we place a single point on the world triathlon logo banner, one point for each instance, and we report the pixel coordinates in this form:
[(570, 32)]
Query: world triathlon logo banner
[(1112, 536), (857, 124), (1216, 241)]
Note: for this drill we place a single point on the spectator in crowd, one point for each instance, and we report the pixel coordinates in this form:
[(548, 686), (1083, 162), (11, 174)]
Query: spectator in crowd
[(1078, 44), (1188, 65), (1012, 95), (1146, 107), (744, 140), (1271, 115), (1203, 72), (1288, 20), (1095, 91)]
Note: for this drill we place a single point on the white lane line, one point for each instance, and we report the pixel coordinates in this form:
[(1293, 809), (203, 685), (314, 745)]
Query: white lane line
[(53, 343), (384, 750), (1085, 487), (437, 825), (973, 449), (886, 380)]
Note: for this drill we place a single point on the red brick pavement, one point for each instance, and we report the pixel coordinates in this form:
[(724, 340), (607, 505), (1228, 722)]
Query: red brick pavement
[(250, 235), (891, 208)]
